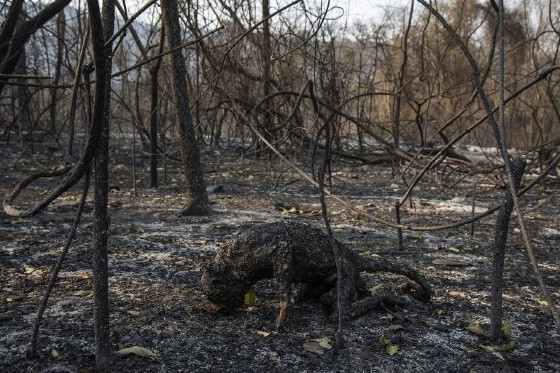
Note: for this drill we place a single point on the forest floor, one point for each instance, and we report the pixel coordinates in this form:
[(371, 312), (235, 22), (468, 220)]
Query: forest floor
[(155, 259)]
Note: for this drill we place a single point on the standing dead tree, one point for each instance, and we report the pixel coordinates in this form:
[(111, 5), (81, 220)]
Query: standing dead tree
[(198, 199), (499, 134), (14, 35), (502, 224), (266, 54), (102, 26), (154, 110), (61, 31)]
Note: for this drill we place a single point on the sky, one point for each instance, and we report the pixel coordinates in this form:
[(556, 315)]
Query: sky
[(368, 9), (355, 9)]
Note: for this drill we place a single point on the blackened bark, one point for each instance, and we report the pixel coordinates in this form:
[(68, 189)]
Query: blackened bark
[(8, 28), (498, 255), (101, 30), (21, 35), (266, 52), (400, 245), (24, 100), (100, 255), (73, 101), (61, 30), (153, 128), (198, 203), (154, 112)]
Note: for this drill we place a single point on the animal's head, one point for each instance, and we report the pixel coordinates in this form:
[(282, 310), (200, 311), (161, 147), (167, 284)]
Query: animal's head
[(221, 286)]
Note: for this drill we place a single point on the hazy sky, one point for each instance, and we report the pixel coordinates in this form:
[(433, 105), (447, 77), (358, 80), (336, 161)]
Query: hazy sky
[(369, 9), (361, 9)]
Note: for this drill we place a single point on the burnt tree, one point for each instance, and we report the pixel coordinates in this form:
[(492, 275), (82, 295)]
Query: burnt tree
[(198, 203)]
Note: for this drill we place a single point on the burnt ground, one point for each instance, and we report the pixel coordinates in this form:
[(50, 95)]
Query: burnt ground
[(155, 257)]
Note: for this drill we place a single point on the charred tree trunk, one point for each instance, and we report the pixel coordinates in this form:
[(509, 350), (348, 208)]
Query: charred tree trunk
[(12, 40), (24, 119), (502, 224), (101, 30), (154, 70), (267, 73), (198, 203), (61, 30), (8, 28)]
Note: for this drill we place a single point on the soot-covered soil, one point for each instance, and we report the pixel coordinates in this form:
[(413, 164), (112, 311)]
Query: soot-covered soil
[(155, 256)]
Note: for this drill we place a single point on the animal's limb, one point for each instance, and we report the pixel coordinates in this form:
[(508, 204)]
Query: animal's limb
[(283, 268), (363, 306), (381, 265)]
